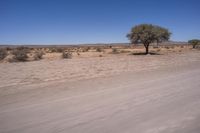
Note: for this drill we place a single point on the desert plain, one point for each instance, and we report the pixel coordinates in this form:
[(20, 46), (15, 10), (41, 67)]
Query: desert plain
[(103, 91)]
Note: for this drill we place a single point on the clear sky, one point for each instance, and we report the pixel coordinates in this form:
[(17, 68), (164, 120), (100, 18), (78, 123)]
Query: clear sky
[(93, 21)]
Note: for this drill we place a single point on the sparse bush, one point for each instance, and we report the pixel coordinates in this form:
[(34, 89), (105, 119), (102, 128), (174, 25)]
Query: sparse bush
[(3, 54), (197, 46), (158, 50), (86, 49), (155, 47), (8, 48), (124, 51), (52, 50), (38, 55), (67, 54), (167, 47), (20, 54), (78, 53), (27, 49), (60, 50), (115, 51), (99, 50), (100, 55)]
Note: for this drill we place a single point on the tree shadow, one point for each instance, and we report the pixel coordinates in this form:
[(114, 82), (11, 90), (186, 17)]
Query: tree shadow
[(142, 53)]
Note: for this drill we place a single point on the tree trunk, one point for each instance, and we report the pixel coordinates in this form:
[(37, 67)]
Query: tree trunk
[(147, 48)]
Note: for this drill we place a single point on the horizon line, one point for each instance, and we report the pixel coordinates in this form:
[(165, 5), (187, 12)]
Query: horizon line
[(5, 44)]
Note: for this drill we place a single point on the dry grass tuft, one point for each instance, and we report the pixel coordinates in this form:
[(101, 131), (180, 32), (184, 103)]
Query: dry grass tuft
[(38, 55), (99, 50), (20, 54), (115, 51), (67, 55)]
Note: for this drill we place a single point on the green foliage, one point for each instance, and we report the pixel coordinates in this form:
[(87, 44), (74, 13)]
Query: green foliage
[(147, 34), (194, 42), (161, 34)]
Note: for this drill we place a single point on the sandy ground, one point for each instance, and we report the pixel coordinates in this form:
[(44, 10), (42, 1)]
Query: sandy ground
[(118, 93)]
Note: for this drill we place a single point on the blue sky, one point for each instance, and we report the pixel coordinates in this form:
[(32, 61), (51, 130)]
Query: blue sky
[(93, 21)]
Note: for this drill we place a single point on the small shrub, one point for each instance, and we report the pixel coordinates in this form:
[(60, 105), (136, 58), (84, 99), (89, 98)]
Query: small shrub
[(52, 50), (100, 55), (86, 49), (67, 55), (197, 46), (8, 48), (78, 53), (3, 54), (38, 55), (167, 47), (124, 51), (99, 50), (23, 48), (158, 50), (31, 48), (60, 50), (115, 51), (20, 54)]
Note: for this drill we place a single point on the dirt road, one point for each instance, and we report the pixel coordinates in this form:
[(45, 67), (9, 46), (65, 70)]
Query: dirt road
[(156, 101)]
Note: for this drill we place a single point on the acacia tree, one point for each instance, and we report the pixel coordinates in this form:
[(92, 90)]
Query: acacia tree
[(147, 34), (194, 42)]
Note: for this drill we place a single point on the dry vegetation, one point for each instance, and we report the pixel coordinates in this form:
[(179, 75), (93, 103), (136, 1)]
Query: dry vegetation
[(22, 54), (67, 54), (3, 53)]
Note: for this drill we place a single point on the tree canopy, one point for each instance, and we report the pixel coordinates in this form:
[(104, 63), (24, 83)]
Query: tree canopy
[(147, 34)]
